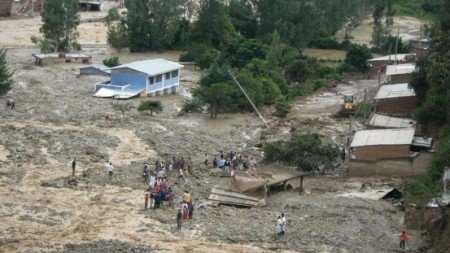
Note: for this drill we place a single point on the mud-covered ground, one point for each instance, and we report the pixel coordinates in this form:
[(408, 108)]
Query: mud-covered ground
[(57, 119)]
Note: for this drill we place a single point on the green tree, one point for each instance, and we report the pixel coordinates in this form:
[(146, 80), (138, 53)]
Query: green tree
[(240, 52), (217, 97), (305, 152), (5, 75), (150, 105), (243, 17), (149, 23), (357, 56), (60, 21), (111, 62), (213, 26)]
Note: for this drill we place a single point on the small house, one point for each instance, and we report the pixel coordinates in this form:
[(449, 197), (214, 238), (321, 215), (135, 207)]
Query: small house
[(145, 78), (400, 73), (379, 121), (386, 152), (395, 99), (382, 143), (380, 63)]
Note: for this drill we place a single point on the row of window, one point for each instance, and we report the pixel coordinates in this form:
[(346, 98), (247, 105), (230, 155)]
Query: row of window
[(158, 78)]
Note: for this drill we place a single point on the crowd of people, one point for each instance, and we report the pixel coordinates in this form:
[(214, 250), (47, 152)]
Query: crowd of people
[(230, 162)]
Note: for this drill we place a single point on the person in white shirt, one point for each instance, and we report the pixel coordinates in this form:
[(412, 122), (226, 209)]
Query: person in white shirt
[(110, 169), (283, 224), (279, 223)]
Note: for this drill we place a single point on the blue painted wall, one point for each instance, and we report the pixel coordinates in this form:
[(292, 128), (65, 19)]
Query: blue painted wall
[(135, 80)]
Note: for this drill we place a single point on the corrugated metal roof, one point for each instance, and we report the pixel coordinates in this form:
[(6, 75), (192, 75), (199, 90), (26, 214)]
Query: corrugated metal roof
[(383, 137), (400, 69), (395, 91), (152, 67), (392, 57), (378, 120), (120, 94)]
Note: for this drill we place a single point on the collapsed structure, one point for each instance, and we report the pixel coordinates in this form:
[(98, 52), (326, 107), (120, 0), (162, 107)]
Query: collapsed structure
[(379, 121), (245, 189), (42, 59)]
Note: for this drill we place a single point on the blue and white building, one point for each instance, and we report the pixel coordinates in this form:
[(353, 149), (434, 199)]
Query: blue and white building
[(142, 78)]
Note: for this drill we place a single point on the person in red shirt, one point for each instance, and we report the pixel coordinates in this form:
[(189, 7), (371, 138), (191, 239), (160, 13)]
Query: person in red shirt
[(403, 238)]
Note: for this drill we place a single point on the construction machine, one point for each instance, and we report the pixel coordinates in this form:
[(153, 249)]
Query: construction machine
[(348, 108)]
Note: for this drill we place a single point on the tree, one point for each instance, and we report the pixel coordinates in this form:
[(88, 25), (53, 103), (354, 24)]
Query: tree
[(150, 105), (111, 62), (5, 75), (149, 23), (60, 20), (305, 152), (213, 26), (122, 107), (243, 17), (357, 56), (217, 97)]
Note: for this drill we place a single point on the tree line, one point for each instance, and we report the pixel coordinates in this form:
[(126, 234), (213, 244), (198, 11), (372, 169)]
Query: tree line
[(432, 87)]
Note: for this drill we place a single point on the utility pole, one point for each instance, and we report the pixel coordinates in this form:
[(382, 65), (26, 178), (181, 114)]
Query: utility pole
[(248, 98), (396, 42)]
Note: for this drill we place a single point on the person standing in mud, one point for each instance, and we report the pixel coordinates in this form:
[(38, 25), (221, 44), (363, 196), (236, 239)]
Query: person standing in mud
[(74, 164), (206, 160), (279, 223), (283, 224), (110, 169), (403, 238), (189, 164), (179, 219)]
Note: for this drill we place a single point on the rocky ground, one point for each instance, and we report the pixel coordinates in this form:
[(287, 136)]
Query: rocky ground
[(57, 119)]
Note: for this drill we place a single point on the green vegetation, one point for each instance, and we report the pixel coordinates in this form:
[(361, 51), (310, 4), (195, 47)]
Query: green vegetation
[(305, 152), (356, 59), (111, 62), (150, 105), (60, 20), (364, 109), (433, 93), (426, 9), (5, 75)]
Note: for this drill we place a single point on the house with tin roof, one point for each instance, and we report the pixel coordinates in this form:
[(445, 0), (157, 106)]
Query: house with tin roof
[(400, 73), (395, 99), (141, 78)]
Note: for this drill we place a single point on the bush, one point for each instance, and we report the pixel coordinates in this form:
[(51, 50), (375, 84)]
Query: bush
[(202, 55), (305, 152), (326, 43), (356, 58), (150, 105), (364, 109), (192, 105), (282, 107), (76, 46), (111, 62)]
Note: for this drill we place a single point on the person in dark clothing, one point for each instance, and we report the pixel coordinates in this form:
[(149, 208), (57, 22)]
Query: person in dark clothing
[(74, 164), (191, 210), (343, 154), (179, 219)]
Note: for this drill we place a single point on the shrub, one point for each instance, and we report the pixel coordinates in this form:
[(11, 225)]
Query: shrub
[(325, 43), (150, 105), (111, 62), (192, 105), (364, 109), (357, 56), (282, 107)]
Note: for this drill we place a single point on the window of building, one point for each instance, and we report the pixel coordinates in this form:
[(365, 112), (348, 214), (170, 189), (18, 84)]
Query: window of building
[(167, 76), (158, 78), (174, 73), (151, 80)]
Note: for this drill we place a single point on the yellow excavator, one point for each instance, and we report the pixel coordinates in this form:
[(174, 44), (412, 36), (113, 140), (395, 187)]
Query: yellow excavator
[(348, 108)]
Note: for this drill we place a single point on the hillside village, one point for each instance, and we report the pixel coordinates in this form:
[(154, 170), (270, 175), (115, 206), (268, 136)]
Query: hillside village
[(97, 158)]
